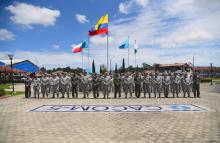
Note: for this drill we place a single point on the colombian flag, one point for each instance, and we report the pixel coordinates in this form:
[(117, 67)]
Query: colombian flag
[(101, 26)]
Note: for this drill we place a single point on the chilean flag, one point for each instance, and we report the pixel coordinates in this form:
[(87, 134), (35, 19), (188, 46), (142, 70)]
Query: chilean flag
[(78, 48)]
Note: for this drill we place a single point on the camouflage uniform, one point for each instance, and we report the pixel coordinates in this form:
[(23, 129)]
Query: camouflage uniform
[(106, 82), (117, 84), (137, 81), (64, 85), (177, 83), (85, 85), (27, 84), (196, 85), (128, 85), (36, 87), (158, 84), (147, 85), (186, 85), (166, 84), (74, 82), (44, 86), (95, 86), (55, 86)]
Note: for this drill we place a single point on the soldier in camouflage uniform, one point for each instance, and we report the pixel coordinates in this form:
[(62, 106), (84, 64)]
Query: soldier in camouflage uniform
[(186, 85), (85, 85), (147, 84), (55, 86), (177, 83), (64, 85), (137, 81), (44, 83), (158, 84), (196, 85), (154, 85), (36, 87), (172, 78), (166, 83), (74, 82), (117, 84), (106, 82), (27, 84), (95, 85), (126, 84)]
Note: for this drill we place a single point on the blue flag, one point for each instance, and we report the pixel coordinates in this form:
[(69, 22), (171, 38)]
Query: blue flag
[(124, 45), (85, 43)]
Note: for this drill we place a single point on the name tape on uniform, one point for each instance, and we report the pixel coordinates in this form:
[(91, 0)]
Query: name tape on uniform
[(119, 108)]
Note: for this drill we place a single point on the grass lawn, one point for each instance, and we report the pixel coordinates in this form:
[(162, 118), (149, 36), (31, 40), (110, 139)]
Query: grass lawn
[(16, 93), (4, 86), (6, 92)]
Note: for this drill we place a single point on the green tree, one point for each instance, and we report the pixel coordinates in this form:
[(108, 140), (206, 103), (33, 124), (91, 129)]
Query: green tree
[(93, 66), (123, 65), (116, 68), (146, 66), (43, 69), (100, 69)]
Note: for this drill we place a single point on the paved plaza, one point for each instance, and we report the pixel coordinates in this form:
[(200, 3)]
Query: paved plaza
[(19, 124)]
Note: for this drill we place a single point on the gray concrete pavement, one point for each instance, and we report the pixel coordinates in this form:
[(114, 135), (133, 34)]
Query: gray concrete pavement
[(18, 124)]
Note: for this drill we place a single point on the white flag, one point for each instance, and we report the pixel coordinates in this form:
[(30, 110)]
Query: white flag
[(135, 47)]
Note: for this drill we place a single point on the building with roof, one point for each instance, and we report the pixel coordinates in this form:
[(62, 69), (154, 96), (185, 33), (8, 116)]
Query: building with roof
[(208, 71), (22, 65), (2, 63), (176, 67)]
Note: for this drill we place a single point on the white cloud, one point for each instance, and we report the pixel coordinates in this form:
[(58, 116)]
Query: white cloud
[(56, 46), (81, 18), (101, 40), (126, 7), (27, 15), (6, 35), (142, 3)]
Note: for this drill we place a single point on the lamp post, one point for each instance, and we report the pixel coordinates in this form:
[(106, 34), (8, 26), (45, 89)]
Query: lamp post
[(211, 72), (12, 78), (111, 62)]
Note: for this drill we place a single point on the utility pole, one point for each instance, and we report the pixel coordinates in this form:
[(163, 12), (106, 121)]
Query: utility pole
[(12, 77), (211, 72)]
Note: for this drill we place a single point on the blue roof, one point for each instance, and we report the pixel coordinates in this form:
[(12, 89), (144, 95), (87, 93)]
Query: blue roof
[(2, 64), (26, 66)]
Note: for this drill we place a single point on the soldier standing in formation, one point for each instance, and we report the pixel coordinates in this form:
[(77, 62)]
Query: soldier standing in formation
[(177, 84), (74, 82), (64, 85), (166, 83), (85, 85), (36, 87), (117, 84), (127, 85), (44, 81), (196, 85), (95, 86), (146, 83), (55, 85), (28, 87), (137, 81), (186, 85)]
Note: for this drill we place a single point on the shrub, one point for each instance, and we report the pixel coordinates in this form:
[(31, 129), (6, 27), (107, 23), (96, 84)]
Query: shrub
[(2, 92), (206, 80)]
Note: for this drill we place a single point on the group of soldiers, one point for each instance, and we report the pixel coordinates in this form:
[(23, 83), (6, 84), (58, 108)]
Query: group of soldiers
[(139, 84)]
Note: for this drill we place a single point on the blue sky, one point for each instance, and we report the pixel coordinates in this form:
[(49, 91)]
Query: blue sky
[(167, 31)]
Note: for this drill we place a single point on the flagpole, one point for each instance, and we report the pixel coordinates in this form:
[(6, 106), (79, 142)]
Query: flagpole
[(107, 52), (82, 60), (88, 57), (128, 52), (135, 54)]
